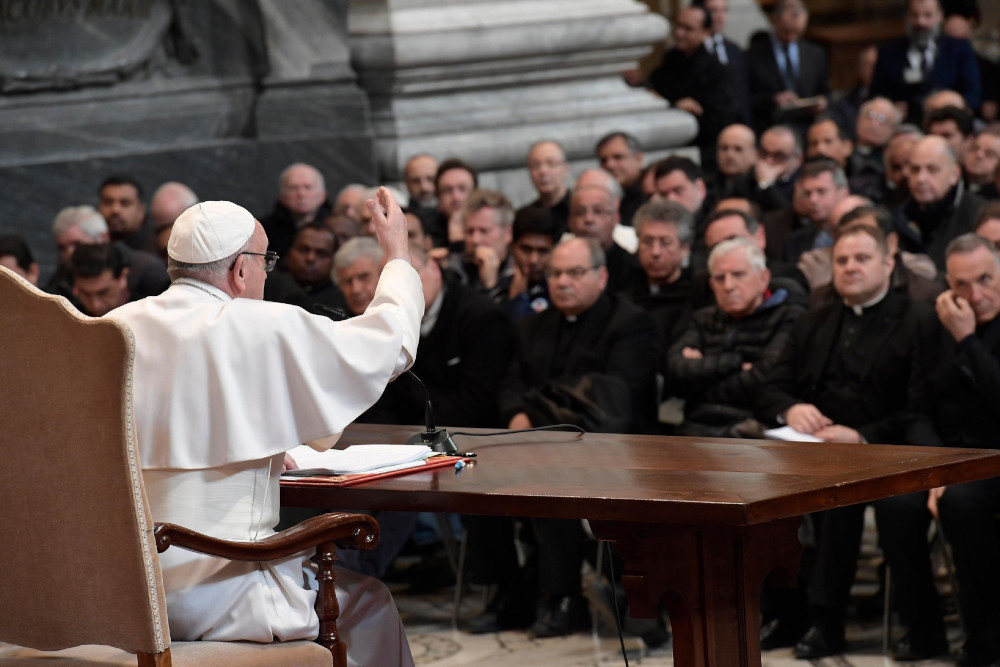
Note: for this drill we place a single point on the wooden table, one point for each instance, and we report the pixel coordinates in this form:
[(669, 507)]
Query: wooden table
[(699, 522)]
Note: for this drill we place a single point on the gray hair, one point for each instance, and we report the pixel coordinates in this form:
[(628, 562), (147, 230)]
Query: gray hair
[(288, 169), (750, 250), (897, 115), (664, 210), (969, 242), (86, 218), (610, 184), (205, 272), (355, 249)]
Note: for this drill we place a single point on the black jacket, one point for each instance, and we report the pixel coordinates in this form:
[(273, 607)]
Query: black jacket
[(615, 338), (802, 371)]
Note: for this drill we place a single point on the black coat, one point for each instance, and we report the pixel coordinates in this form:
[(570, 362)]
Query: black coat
[(616, 338), (280, 227), (462, 361), (929, 232), (954, 397), (718, 378), (800, 373)]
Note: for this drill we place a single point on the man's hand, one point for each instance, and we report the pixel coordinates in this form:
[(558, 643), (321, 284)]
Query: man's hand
[(692, 353), (765, 172), (456, 227), (289, 464), (806, 418), (838, 433), (518, 283), (933, 496), (489, 266), (690, 105), (817, 266), (785, 97), (956, 315), (390, 225), (519, 421)]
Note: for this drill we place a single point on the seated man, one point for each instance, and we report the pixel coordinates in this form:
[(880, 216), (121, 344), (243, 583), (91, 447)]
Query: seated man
[(309, 267), (100, 276), (535, 234), (621, 155), (16, 256), (356, 268), (549, 172), (219, 398), (736, 154), (843, 377), (169, 201), (83, 225), (485, 265), (938, 208), (720, 362), (954, 403), (821, 183), (593, 214), (119, 201), (301, 199), (663, 285), (589, 338)]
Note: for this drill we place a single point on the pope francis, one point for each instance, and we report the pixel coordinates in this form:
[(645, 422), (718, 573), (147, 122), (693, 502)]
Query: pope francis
[(224, 385)]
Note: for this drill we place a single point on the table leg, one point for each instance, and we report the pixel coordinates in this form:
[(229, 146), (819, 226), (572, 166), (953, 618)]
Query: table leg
[(709, 578)]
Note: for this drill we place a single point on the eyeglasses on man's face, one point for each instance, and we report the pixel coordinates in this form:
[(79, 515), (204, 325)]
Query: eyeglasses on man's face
[(270, 259), (575, 272)]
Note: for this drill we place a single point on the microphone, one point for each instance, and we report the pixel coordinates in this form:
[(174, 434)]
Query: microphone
[(437, 440)]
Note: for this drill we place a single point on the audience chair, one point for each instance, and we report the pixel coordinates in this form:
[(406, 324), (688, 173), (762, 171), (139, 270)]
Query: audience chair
[(80, 582)]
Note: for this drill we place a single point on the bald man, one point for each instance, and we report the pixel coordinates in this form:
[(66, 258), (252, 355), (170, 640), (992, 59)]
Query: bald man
[(735, 155), (169, 201), (938, 208), (301, 199)]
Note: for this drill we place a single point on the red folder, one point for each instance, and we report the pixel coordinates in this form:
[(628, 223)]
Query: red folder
[(364, 477)]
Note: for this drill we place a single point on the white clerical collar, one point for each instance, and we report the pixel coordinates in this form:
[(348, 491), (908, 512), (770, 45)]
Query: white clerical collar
[(859, 308), (431, 316), (210, 290)]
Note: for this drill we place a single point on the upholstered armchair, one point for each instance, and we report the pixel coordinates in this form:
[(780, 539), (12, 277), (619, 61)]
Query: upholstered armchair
[(80, 582)]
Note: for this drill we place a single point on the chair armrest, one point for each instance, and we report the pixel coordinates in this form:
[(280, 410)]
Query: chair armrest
[(347, 531)]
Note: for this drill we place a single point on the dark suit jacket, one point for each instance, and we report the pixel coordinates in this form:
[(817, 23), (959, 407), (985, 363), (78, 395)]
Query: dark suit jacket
[(616, 338), (954, 68), (800, 373), (462, 361), (281, 227), (766, 80), (954, 220), (955, 389)]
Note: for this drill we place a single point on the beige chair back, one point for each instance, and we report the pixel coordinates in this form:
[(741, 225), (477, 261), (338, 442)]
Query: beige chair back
[(77, 560)]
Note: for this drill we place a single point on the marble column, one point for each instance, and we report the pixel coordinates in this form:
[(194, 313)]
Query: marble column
[(483, 80)]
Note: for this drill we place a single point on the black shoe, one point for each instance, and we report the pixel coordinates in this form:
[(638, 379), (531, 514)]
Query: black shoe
[(818, 643), (779, 633), (562, 616), (913, 647), (502, 613)]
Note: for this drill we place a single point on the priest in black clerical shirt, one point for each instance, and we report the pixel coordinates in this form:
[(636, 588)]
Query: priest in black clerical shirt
[(843, 377)]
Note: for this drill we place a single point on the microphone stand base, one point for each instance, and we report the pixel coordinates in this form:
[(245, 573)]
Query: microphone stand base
[(437, 440)]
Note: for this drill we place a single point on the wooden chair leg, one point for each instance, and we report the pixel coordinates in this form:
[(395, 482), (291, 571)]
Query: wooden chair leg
[(154, 659), (327, 607)]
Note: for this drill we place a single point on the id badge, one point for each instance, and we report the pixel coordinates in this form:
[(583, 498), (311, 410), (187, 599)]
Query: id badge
[(913, 75)]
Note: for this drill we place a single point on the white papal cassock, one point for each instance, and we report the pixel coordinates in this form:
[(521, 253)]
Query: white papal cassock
[(222, 388)]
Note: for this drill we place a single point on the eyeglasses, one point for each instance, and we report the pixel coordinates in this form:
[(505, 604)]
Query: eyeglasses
[(270, 259), (599, 211), (877, 117), (775, 156), (575, 273)]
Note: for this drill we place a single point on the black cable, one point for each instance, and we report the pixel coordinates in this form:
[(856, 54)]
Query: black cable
[(553, 427), (614, 601)]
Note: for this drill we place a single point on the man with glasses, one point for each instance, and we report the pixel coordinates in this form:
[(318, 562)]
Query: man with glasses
[(224, 385), (549, 170), (772, 179), (593, 215), (588, 338)]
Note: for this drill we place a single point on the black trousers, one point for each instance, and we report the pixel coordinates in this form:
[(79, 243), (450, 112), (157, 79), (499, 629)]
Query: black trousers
[(838, 542), (903, 522), (968, 515)]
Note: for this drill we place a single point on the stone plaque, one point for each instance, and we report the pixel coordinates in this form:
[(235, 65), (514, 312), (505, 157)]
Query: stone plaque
[(53, 44)]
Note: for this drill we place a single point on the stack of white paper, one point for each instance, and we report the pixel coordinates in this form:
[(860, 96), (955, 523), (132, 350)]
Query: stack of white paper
[(789, 433), (357, 459)]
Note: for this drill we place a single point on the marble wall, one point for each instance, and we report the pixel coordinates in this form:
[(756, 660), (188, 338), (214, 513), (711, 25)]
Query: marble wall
[(223, 94)]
